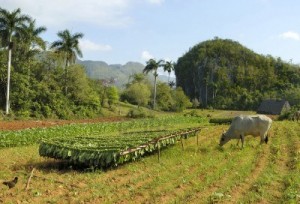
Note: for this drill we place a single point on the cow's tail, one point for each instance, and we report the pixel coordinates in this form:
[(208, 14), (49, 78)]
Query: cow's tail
[(267, 135), (266, 139)]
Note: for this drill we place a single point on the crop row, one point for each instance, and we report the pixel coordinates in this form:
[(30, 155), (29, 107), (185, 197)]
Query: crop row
[(101, 152), (33, 136), (220, 121)]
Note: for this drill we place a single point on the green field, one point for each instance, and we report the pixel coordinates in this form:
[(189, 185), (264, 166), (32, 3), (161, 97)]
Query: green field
[(202, 173)]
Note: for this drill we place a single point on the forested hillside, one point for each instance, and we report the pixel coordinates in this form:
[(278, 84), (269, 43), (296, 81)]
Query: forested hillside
[(222, 73)]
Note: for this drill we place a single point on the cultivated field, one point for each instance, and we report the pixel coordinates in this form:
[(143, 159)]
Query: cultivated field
[(196, 174)]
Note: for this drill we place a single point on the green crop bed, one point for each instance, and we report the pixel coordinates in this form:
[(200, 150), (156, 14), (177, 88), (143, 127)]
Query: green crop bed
[(33, 136), (104, 151)]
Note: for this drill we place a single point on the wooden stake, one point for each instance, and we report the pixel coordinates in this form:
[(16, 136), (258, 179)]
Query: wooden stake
[(29, 179), (158, 146), (181, 143)]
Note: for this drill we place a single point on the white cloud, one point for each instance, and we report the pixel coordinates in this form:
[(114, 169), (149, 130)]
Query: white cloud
[(146, 55), (290, 35), (60, 14), (87, 45)]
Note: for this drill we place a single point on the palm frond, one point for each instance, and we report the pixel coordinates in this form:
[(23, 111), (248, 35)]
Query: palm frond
[(152, 65), (78, 36), (56, 44)]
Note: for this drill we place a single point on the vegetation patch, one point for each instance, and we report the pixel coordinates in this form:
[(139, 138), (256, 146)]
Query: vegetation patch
[(220, 120), (32, 136)]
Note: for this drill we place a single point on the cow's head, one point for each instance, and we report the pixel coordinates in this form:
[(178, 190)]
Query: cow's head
[(224, 139)]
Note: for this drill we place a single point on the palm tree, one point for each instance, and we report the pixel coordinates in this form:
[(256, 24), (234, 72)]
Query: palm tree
[(35, 42), (152, 65), (168, 67), (30, 43), (68, 46), (11, 23)]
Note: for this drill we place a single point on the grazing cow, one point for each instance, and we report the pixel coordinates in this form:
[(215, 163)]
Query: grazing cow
[(296, 116), (242, 126)]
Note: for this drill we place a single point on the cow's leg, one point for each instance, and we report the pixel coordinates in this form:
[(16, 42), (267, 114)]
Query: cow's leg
[(262, 138), (242, 139)]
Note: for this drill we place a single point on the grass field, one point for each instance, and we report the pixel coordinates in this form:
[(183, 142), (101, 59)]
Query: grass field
[(196, 174)]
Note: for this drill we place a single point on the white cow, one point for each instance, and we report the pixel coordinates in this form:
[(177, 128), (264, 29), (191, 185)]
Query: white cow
[(241, 126)]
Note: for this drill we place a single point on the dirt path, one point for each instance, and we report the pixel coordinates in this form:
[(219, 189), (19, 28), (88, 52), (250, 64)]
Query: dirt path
[(244, 187), (18, 124), (280, 158)]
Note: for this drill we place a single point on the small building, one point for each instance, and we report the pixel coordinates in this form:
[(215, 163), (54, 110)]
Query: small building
[(273, 107)]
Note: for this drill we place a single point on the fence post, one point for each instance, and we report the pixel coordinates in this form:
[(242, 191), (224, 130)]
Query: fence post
[(181, 142), (158, 147)]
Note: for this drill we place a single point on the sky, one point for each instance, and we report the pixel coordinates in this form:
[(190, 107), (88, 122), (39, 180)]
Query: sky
[(118, 31)]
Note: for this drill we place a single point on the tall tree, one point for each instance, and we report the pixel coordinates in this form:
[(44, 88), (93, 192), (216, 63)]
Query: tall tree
[(168, 67), (68, 47), (112, 95), (11, 23), (137, 93), (30, 45), (152, 66), (32, 38)]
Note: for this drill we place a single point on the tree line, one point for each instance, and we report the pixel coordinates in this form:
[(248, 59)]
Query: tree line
[(40, 82), (36, 81), (223, 74)]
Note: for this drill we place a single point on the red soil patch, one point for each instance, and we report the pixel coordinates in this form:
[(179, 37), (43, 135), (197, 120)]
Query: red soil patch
[(23, 124)]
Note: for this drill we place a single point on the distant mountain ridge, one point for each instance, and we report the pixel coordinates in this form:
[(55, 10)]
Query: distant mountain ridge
[(120, 73)]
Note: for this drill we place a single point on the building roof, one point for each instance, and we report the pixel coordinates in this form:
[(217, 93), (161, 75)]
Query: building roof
[(273, 107)]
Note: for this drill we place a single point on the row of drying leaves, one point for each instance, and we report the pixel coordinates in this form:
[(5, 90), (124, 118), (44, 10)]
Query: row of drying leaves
[(108, 151)]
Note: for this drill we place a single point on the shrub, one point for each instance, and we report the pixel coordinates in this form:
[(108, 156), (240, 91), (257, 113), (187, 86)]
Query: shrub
[(192, 113), (181, 100), (137, 93), (139, 113), (195, 103), (287, 115)]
